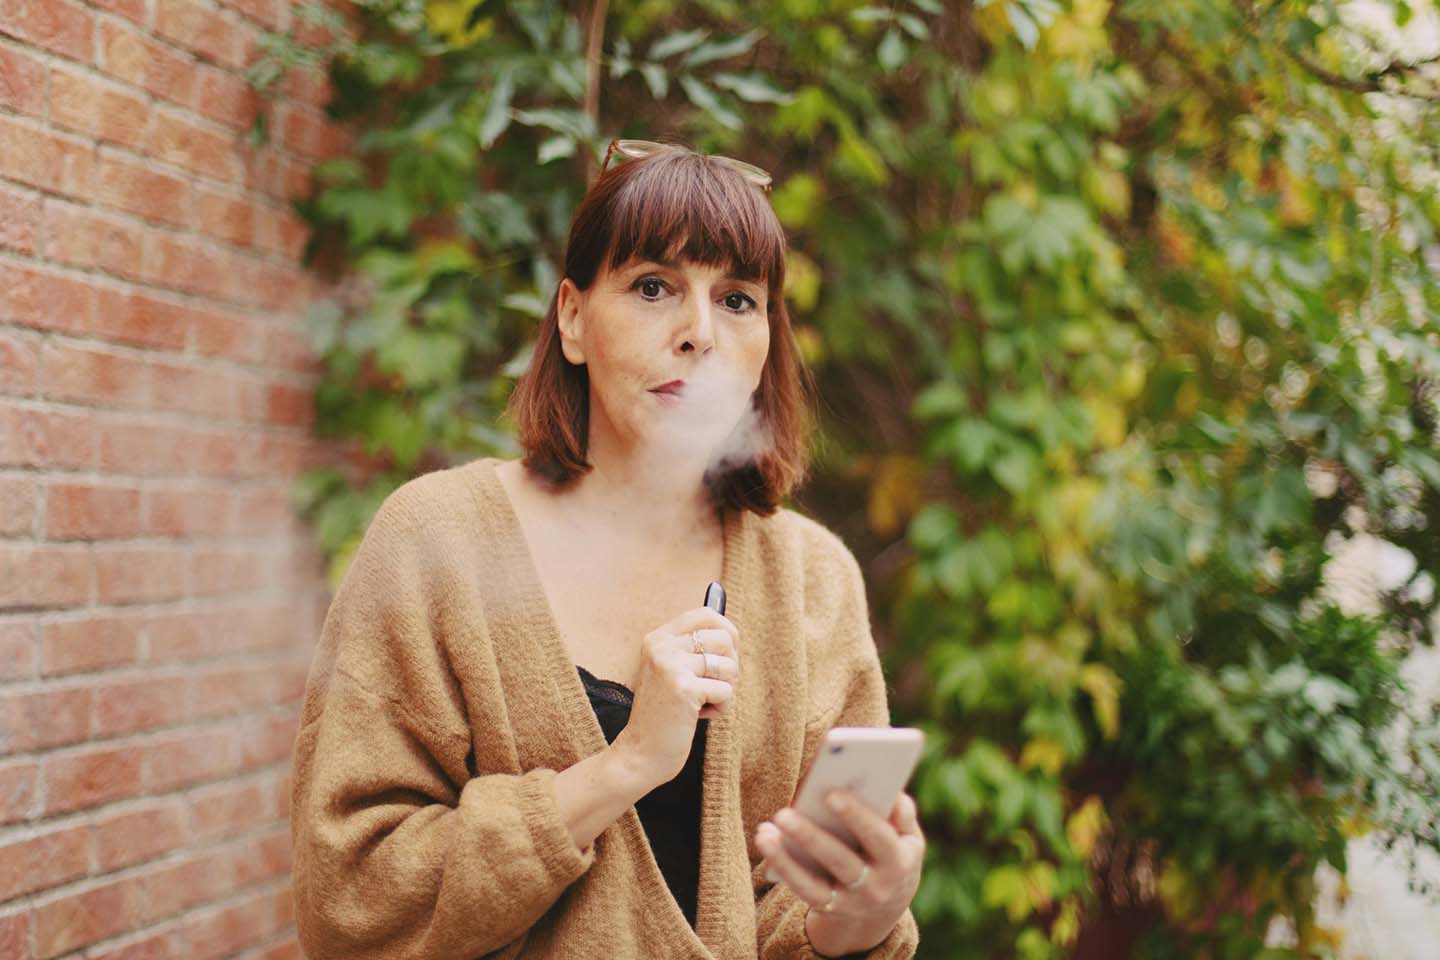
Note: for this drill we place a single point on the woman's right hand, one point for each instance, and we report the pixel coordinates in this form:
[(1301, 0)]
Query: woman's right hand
[(672, 692)]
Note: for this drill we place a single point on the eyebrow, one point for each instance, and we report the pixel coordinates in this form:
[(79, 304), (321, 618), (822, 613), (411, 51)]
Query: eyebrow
[(674, 265)]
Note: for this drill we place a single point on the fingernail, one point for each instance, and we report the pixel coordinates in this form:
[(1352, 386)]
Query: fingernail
[(785, 817), (836, 802)]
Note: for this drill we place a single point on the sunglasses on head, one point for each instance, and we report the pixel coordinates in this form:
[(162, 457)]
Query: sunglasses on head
[(640, 149)]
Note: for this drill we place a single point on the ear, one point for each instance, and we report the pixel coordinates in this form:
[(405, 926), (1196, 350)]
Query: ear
[(570, 320)]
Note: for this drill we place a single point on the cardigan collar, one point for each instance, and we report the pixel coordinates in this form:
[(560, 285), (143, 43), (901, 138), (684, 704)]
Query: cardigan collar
[(722, 900)]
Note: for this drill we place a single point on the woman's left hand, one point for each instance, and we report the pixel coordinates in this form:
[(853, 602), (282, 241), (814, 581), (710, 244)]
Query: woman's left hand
[(864, 894)]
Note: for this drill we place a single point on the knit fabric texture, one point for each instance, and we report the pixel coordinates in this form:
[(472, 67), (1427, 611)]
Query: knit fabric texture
[(442, 701)]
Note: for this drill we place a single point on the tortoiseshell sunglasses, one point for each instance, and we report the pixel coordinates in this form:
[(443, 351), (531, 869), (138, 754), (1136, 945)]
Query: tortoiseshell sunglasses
[(639, 149)]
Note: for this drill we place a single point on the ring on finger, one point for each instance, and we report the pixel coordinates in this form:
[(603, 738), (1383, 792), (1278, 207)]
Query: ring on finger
[(696, 643), (706, 671), (859, 881), (830, 904)]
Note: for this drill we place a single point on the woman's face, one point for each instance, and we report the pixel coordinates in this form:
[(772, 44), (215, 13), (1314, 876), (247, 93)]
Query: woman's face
[(647, 324)]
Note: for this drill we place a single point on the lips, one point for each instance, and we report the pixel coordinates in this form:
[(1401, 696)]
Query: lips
[(673, 387)]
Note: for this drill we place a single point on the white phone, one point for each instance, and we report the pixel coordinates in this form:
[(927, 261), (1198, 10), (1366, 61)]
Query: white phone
[(875, 763)]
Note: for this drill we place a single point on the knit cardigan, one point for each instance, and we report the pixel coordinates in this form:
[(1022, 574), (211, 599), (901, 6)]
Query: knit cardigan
[(442, 701)]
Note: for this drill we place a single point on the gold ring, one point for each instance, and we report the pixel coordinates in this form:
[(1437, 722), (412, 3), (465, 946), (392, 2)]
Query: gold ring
[(706, 672), (830, 904), (696, 642)]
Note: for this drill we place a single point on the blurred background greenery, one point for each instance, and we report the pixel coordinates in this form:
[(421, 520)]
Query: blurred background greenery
[(1124, 317)]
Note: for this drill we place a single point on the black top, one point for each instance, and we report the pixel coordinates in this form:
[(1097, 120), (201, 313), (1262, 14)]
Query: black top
[(671, 812)]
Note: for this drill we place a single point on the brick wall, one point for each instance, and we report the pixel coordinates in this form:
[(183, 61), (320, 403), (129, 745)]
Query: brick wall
[(158, 601)]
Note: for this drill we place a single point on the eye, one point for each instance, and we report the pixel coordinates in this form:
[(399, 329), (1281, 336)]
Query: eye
[(650, 287), (738, 302)]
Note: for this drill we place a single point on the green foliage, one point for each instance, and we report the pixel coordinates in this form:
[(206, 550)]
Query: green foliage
[(1125, 327)]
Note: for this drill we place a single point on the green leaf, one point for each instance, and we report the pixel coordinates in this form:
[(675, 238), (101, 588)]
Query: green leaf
[(705, 98), (720, 50), (891, 52), (677, 42), (752, 88), (496, 118), (554, 148)]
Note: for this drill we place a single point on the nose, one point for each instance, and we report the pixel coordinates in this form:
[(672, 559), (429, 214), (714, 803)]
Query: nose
[(698, 330)]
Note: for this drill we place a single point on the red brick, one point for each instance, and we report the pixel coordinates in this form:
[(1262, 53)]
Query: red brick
[(137, 836), (225, 216), (289, 349), (265, 12), (46, 718), (81, 511), (43, 159), (309, 134), (227, 809), (81, 646), (204, 31), (128, 706), (187, 388), (57, 25), (229, 335), (183, 263), (32, 576), (17, 505), (83, 237), (227, 571), (19, 216), (225, 98), (129, 55), (47, 860), (145, 448), (271, 511), (231, 689), (74, 372), (167, 945), (170, 889), (190, 636), (226, 454), (80, 919), (40, 298), (308, 86), (17, 650), (140, 319), (130, 9), (269, 740), (103, 111), (22, 82), (17, 789), (141, 190), (190, 759), (292, 406), (190, 513), (196, 148), (15, 936), (137, 574), (33, 438), (97, 776), (262, 858), (233, 929), (18, 360)]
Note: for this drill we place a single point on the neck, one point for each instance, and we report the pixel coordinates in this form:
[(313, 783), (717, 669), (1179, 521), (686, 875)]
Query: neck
[(646, 494)]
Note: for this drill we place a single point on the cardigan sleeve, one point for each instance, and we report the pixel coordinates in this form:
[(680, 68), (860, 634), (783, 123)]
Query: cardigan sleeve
[(780, 914), (402, 848)]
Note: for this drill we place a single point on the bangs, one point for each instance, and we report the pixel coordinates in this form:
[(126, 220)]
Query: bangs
[(683, 206)]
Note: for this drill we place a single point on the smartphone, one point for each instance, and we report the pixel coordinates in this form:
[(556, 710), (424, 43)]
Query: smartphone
[(875, 763), (715, 597)]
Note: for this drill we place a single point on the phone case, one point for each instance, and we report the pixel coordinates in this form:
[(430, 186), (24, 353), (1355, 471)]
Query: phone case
[(875, 763)]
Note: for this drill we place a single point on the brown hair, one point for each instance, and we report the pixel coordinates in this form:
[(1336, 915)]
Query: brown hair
[(671, 205)]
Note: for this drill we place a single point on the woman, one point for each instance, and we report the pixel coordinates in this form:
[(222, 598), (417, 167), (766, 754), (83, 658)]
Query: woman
[(523, 734)]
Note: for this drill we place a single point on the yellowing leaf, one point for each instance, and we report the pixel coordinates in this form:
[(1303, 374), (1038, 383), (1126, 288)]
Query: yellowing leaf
[(802, 281), (1043, 753), (895, 493), (1067, 925), (446, 18), (1085, 825), (1103, 685)]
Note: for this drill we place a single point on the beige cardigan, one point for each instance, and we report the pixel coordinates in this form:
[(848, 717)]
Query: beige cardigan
[(442, 700)]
